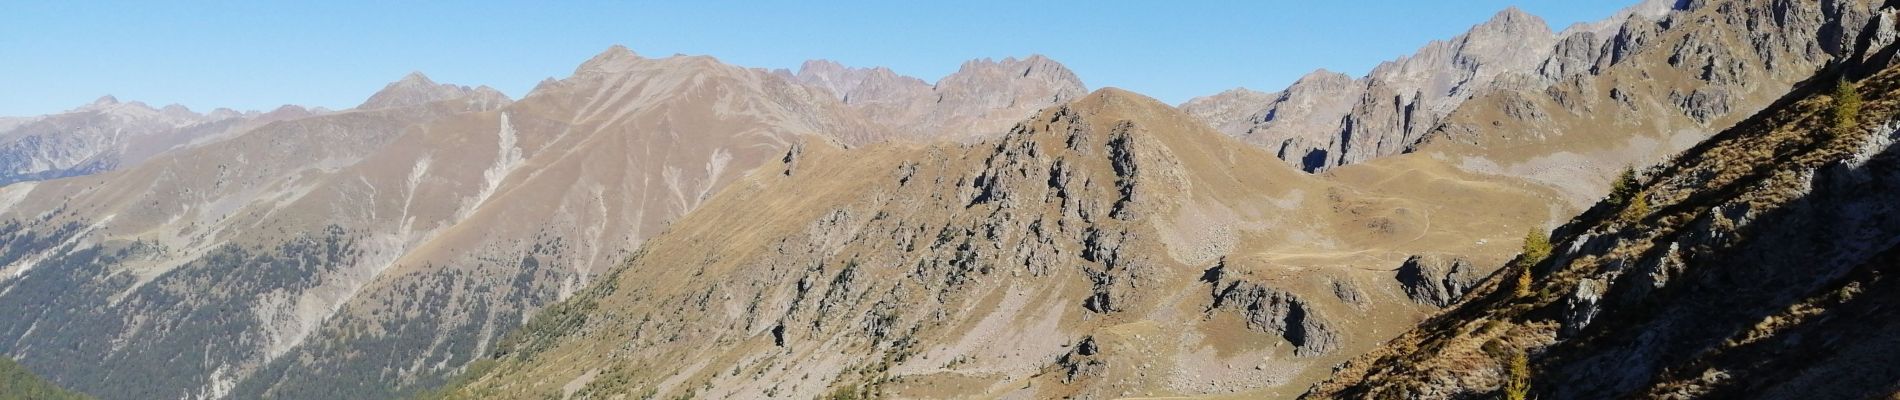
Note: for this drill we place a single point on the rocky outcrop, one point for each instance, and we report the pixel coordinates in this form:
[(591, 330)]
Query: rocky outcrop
[(1437, 280), (1274, 311)]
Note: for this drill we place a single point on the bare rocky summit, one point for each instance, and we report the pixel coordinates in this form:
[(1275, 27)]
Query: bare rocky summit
[(981, 100)]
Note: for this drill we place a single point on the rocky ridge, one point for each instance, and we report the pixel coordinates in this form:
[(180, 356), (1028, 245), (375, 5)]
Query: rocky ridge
[(981, 100), (1752, 265), (108, 134)]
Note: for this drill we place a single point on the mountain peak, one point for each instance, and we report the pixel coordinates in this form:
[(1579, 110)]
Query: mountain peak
[(1322, 75), (417, 78), (413, 89), (1118, 101), (105, 100), (610, 59), (1513, 20), (819, 64)]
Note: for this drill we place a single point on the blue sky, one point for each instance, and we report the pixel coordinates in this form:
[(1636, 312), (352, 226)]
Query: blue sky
[(249, 55)]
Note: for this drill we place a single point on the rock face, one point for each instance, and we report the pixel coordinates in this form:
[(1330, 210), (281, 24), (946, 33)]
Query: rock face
[(1742, 272), (108, 135), (1300, 124), (1628, 90), (981, 100), (1103, 248), (1327, 119), (1436, 280), (1644, 85)]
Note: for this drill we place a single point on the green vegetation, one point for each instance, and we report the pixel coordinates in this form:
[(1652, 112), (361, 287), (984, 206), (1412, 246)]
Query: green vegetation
[(846, 392), (1536, 249), (1624, 189), (1638, 207), (16, 383), (1846, 110), (1517, 384), (1627, 193)]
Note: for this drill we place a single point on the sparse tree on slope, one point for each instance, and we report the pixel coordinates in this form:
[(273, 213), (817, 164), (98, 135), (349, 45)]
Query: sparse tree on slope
[(1846, 110), (1536, 248)]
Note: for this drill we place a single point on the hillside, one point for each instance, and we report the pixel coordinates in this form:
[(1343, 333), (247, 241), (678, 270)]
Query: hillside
[(1109, 247), (1755, 265)]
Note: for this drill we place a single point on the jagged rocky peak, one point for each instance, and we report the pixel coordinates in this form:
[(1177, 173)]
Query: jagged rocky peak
[(985, 96), (1012, 74), (1511, 21), (1328, 119), (860, 85), (1511, 39), (982, 99), (416, 89)]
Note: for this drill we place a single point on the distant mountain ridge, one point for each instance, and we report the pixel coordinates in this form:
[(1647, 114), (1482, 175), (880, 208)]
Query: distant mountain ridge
[(981, 100), (496, 207), (1326, 119), (108, 134)]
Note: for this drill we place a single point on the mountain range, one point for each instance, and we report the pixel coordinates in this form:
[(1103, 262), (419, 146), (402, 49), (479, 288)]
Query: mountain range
[(679, 226)]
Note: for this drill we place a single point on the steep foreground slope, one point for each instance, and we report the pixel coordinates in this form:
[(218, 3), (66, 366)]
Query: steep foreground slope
[(1109, 247), (1758, 264)]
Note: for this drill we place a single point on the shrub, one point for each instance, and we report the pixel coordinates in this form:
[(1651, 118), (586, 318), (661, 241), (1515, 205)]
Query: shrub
[(1635, 211)]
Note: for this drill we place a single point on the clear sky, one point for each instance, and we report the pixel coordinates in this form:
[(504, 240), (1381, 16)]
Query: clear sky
[(250, 55)]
